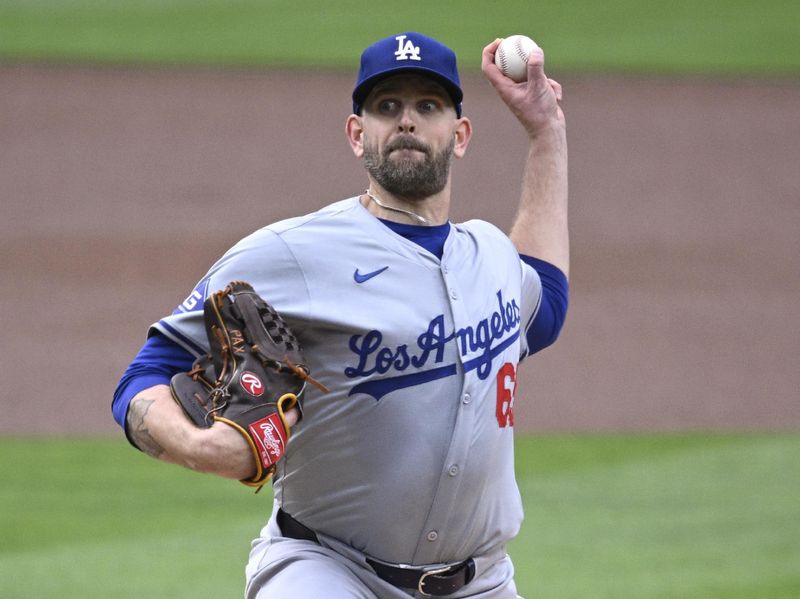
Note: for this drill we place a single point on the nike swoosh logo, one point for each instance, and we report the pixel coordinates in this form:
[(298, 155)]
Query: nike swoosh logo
[(359, 278)]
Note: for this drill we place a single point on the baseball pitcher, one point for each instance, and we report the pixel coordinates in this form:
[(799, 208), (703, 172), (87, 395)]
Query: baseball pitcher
[(363, 359)]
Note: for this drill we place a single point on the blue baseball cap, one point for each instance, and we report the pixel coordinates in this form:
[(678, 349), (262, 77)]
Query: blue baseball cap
[(407, 52)]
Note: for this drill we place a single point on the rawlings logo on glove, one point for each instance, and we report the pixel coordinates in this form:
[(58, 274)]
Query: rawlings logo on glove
[(253, 374), (252, 384)]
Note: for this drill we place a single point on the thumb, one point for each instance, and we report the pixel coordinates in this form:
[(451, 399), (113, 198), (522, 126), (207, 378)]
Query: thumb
[(536, 65)]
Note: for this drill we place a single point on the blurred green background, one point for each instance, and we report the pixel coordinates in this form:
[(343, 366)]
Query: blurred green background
[(627, 516), (619, 517), (722, 36)]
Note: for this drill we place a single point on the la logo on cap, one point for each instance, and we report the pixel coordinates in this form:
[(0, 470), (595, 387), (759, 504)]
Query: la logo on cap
[(406, 51)]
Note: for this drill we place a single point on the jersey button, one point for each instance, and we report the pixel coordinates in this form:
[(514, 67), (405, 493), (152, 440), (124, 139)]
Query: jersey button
[(453, 294), (453, 470), (433, 535), (466, 398)]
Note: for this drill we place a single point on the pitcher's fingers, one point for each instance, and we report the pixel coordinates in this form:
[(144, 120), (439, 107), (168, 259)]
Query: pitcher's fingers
[(536, 65), (556, 88), (488, 66), (292, 416)]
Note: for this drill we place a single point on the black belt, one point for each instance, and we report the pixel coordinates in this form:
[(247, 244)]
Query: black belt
[(430, 581)]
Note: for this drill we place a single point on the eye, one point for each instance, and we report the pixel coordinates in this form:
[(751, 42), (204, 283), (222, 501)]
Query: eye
[(428, 106), (388, 106)]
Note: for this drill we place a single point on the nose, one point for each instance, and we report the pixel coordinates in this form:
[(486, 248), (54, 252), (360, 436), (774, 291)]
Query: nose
[(406, 124)]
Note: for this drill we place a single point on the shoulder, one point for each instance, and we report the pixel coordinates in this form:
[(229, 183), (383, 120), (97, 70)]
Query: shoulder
[(280, 235), (485, 233), (335, 213), (481, 227)]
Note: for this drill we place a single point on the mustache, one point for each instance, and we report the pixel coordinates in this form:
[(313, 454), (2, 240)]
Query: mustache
[(406, 143)]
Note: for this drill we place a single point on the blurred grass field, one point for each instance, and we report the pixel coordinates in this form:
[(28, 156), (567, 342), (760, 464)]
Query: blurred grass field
[(634, 516), (684, 36)]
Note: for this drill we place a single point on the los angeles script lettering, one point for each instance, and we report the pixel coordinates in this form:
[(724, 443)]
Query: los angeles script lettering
[(374, 358)]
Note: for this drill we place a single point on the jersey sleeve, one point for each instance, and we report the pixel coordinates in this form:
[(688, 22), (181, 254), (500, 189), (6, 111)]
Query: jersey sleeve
[(263, 260), (155, 364), (545, 301)]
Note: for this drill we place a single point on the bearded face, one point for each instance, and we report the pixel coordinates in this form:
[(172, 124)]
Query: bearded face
[(408, 175)]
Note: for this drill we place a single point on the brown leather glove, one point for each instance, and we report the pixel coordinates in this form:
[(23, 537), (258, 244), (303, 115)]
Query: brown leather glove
[(253, 374)]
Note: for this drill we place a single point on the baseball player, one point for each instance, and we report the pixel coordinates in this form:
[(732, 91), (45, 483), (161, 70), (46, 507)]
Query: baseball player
[(399, 480)]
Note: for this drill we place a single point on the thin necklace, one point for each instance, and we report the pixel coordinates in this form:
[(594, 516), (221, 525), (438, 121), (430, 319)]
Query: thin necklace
[(416, 217)]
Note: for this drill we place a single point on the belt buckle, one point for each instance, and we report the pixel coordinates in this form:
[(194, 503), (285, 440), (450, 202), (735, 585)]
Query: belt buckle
[(432, 572)]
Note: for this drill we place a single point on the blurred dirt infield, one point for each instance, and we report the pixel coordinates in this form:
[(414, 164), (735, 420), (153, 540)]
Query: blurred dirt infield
[(121, 186)]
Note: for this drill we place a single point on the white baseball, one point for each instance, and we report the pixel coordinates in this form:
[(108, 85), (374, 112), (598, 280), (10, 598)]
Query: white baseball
[(511, 56)]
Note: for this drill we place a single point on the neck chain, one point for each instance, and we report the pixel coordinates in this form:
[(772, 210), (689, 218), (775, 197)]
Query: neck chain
[(413, 215)]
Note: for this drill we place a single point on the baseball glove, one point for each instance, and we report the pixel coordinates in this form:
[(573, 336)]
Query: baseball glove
[(253, 374)]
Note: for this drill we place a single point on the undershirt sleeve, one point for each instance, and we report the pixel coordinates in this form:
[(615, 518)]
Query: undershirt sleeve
[(549, 320), (155, 364)]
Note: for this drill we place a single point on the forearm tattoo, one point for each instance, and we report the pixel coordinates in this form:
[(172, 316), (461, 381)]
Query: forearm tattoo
[(137, 429)]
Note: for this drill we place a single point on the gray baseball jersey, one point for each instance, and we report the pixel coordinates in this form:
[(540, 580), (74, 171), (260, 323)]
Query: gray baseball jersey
[(409, 457)]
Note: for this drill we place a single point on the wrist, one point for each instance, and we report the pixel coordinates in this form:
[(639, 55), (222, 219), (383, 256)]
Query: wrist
[(552, 132), (223, 451)]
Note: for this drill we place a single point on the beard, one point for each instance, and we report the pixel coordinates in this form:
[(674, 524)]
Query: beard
[(409, 178)]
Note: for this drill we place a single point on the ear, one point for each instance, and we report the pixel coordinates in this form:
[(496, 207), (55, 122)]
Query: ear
[(463, 133), (354, 130)]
